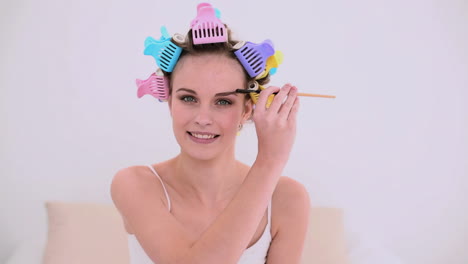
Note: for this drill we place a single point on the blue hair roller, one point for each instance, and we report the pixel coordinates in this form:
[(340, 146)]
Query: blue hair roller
[(217, 13), (164, 51)]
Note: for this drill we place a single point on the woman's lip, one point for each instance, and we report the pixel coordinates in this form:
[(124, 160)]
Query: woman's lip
[(202, 133), (202, 140)]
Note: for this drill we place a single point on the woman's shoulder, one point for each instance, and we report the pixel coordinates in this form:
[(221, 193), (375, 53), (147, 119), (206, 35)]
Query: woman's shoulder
[(131, 170), (130, 175), (138, 173), (289, 201), (289, 187), (134, 187), (288, 192), (138, 179), (127, 180)]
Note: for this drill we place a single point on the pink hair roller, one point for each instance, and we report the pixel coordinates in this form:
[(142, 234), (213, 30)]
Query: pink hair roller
[(206, 27), (156, 85)]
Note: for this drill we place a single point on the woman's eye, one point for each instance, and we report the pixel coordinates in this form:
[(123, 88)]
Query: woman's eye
[(188, 99), (224, 102)]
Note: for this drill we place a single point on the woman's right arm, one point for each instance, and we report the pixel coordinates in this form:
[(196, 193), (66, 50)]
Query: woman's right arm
[(164, 239)]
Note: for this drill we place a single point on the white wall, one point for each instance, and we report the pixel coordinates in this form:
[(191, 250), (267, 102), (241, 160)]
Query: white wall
[(392, 149)]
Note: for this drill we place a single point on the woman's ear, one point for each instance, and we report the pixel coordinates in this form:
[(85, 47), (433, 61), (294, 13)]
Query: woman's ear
[(248, 110)]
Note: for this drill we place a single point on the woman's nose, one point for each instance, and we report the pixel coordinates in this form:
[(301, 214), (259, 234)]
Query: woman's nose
[(203, 117)]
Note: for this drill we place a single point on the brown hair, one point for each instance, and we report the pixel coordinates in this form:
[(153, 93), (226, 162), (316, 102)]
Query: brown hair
[(222, 48)]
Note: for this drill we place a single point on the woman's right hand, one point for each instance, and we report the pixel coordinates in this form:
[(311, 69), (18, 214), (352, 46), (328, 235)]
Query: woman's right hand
[(276, 125)]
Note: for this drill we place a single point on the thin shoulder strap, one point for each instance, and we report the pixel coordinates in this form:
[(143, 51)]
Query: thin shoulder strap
[(164, 187), (269, 216)]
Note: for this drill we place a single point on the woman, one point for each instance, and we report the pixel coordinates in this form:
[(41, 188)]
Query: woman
[(203, 206)]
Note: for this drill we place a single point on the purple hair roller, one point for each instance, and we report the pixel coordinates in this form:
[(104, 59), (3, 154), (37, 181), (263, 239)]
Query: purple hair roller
[(254, 56)]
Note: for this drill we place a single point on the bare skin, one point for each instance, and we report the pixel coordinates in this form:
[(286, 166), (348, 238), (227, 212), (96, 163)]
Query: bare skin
[(218, 204), (193, 214)]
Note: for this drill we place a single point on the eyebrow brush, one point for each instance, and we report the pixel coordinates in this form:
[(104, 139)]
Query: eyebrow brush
[(247, 91)]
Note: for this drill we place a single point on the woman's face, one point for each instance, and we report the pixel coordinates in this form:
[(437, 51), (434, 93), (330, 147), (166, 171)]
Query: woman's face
[(205, 109)]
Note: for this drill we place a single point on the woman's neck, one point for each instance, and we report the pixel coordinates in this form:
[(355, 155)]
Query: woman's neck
[(210, 182)]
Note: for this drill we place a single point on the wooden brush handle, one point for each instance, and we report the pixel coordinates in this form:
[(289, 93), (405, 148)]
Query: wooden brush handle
[(316, 95)]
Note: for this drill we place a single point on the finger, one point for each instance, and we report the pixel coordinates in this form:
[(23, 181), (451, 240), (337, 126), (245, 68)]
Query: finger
[(294, 109), (279, 98), (263, 97), (286, 107)]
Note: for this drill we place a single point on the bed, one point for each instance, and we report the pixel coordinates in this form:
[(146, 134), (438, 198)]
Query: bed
[(92, 233)]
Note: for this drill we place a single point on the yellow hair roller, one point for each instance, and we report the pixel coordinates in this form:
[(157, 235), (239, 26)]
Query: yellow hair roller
[(272, 64)]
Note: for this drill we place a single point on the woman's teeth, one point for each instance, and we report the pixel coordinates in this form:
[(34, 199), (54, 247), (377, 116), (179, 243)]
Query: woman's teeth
[(203, 136)]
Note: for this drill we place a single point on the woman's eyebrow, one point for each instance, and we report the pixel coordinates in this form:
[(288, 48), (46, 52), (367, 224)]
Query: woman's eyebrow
[(186, 90), (226, 93), (218, 94)]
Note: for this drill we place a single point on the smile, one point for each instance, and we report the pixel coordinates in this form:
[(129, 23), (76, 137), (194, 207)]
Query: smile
[(201, 137)]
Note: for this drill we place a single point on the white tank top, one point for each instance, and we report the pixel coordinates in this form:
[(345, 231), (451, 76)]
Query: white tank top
[(256, 254)]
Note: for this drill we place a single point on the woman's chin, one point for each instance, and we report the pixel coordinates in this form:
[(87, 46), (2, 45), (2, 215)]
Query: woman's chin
[(206, 151), (201, 155)]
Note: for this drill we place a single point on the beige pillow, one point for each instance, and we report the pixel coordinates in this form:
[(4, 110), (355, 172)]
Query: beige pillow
[(325, 242), (85, 233)]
